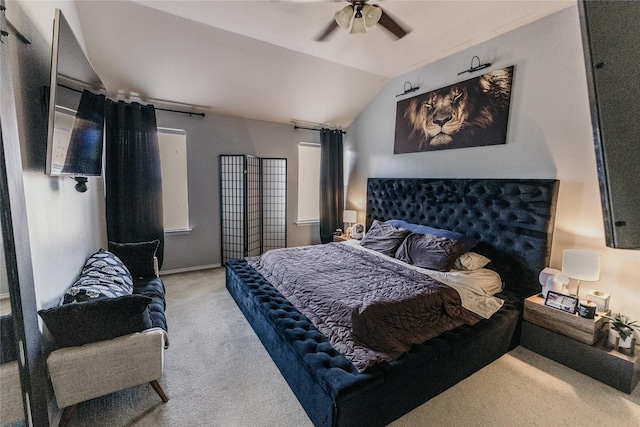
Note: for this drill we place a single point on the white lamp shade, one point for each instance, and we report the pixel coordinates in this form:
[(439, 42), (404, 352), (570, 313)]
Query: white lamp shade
[(358, 25), (343, 16), (349, 216), (371, 14), (581, 265)]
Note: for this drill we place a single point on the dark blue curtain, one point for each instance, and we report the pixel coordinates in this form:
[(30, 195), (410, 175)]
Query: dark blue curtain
[(331, 183), (133, 176)]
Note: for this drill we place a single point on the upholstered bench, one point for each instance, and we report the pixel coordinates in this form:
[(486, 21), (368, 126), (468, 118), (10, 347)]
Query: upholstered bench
[(110, 330)]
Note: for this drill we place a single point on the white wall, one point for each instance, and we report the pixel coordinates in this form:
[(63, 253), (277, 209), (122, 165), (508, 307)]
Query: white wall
[(549, 137)]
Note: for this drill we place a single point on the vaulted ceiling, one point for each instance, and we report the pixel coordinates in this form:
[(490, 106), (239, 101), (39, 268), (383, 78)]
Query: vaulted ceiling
[(259, 59)]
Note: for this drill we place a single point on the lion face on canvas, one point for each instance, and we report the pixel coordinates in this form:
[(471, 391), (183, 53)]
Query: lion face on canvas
[(441, 115), (459, 111)]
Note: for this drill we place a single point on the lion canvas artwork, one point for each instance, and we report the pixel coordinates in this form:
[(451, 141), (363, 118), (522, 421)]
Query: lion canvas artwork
[(471, 113)]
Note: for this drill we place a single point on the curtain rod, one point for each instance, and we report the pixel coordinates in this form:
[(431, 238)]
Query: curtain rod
[(317, 130), (190, 113)]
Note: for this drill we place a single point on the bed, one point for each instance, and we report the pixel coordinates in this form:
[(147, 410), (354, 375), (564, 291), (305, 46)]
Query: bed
[(512, 220)]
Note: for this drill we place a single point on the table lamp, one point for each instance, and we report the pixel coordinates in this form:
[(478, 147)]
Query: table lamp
[(349, 217), (581, 265)]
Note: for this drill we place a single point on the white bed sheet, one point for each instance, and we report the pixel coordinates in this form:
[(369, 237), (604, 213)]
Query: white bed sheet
[(476, 288)]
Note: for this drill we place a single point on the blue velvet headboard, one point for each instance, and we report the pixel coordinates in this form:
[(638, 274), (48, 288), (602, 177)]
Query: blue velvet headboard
[(512, 218)]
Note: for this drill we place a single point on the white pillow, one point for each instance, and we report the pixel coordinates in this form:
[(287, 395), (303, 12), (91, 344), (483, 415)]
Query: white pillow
[(470, 261), (487, 280)]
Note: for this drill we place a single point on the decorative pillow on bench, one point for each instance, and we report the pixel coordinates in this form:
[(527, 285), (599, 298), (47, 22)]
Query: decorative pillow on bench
[(103, 276), (99, 305), (139, 257), (86, 322)]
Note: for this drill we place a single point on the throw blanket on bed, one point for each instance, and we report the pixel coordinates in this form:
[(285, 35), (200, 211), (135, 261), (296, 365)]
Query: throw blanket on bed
[(370, 309)]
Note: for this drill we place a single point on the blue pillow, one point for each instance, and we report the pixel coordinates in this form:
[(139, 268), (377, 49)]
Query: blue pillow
[(467, 242)]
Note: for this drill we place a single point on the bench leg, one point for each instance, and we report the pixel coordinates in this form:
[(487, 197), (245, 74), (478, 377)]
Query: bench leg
[(159, 390), (67, 413)]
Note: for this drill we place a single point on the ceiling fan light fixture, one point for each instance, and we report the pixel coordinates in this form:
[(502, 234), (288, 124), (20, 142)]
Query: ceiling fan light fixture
[(372, 15), (358, 16), (358, 24), (343, 16)]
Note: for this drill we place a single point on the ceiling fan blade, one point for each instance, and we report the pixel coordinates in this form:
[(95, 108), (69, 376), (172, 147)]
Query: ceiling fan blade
[(327, 31), (392, 26)]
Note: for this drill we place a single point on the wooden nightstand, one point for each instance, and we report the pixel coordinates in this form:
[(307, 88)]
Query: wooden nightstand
[(588, 331), (341, 238), (579, 343)]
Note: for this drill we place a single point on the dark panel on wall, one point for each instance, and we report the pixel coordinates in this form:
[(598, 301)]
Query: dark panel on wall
[(17, 246), (611, 41)]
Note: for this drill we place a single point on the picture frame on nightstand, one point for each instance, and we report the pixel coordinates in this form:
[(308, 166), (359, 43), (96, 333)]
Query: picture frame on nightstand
[(561, 302)]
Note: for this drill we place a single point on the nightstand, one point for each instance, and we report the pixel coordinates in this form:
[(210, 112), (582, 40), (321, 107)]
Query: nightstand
[(578, 343), (340, 238), (588, 331)]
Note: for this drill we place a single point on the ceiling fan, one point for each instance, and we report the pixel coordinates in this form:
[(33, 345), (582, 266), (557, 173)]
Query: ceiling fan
[(359, 15)]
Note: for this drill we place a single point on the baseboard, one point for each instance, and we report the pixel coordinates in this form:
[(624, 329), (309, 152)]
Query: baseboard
[(187, 269)]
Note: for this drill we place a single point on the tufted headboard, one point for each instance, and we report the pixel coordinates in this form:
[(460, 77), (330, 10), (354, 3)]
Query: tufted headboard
[(512, 218)]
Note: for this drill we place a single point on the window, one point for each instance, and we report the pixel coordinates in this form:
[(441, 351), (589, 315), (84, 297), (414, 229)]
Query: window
[(173, 160), (308, 182), (63, 123)]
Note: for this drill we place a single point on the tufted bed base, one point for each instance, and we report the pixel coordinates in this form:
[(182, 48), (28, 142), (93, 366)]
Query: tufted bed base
[(328, 387)]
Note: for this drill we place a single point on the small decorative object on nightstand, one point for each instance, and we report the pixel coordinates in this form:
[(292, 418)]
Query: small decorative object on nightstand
[(553, 280), (587, 309), (600, 299), (621, 332), (357, 231), (561, 302)]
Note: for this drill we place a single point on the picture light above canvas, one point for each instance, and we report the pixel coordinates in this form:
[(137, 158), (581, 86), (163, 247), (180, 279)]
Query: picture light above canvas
[(408, 90), (478, 67)]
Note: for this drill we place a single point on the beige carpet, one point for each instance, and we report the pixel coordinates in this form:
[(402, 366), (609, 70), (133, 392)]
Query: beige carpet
[(11, 413), (218, 374)]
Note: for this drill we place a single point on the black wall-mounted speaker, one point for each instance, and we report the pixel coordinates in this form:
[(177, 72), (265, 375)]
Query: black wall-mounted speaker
[(611, 41)]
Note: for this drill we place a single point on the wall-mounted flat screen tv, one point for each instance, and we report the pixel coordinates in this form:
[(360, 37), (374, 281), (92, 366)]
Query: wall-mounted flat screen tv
[(76, 108), (611, 43)]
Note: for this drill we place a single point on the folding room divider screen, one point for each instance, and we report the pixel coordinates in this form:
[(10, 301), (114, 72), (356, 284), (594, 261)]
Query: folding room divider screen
[(253, 205)]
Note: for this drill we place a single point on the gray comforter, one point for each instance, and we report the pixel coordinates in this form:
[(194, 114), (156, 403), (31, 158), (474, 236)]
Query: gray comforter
[(370, 309)]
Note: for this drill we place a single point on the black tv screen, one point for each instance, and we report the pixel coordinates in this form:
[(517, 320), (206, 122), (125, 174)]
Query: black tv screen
[(76, 108), (611, 42)]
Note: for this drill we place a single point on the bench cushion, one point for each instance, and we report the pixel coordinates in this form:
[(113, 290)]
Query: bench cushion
[(154, 289)]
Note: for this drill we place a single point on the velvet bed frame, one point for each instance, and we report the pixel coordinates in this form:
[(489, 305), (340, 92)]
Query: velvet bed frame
[(513, 219)]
